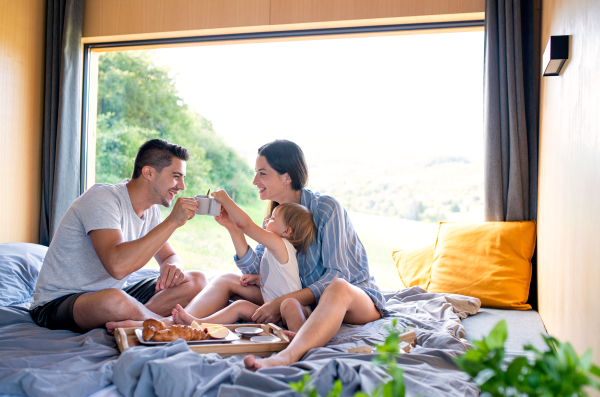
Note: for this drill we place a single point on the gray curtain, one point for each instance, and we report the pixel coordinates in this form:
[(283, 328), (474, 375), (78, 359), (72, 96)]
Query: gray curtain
[(62, 113), (510, 115), (510, 111)]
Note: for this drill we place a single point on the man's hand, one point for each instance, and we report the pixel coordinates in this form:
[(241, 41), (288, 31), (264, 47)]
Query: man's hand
[(183, 211), (170, 276), (270, 312), (250, 279)]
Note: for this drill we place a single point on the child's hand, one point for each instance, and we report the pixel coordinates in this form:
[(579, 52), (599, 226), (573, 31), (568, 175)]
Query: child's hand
[(224, 220), (221, 196), (250, 279)]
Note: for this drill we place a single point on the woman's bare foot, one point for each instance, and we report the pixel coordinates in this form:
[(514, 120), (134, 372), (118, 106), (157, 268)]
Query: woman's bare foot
[(252, 363), (290, 334), (180, 316)]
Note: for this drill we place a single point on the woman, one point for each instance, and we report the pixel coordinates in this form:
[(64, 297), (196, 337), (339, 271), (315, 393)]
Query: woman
[(334, 271)]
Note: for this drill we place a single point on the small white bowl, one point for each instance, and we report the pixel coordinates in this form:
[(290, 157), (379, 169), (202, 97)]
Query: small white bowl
[(249, 331), (265, 338)]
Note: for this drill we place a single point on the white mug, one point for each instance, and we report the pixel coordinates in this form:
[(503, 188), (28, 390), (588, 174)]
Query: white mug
[(207, 206)]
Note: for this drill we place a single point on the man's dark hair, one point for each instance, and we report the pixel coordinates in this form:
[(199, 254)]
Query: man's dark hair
[(158, 154)]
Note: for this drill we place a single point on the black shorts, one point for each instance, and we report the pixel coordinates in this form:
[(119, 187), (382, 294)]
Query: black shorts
[(58, 313)]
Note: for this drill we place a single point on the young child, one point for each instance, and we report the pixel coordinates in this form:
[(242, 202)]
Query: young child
[(290, 227)]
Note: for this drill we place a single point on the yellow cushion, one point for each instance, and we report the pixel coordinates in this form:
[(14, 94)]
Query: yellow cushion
[(414, 266), (489, 260)]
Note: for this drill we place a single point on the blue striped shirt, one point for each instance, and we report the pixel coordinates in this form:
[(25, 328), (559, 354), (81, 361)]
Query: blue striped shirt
[(336, 251)]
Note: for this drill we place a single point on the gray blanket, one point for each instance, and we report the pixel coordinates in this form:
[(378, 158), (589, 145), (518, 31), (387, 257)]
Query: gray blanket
[(37, 361)]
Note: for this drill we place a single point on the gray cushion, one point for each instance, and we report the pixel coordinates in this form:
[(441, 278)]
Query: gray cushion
[(524, 327), (20, 265)]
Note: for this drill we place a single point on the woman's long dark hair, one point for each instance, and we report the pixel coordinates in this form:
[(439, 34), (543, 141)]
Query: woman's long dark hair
[(285, 157)]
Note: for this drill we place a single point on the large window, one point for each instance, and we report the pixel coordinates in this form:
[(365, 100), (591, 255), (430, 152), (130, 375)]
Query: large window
[(391, 126)]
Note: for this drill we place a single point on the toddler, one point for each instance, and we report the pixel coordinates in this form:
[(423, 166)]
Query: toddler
[(289, 228)]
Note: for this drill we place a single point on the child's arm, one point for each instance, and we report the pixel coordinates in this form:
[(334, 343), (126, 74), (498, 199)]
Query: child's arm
[(237, 237), (245, 224)]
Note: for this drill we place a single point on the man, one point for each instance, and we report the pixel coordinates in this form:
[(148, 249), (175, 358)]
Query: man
[(108, 233)]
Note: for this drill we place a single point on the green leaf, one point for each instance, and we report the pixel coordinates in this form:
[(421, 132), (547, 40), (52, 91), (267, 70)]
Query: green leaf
[(497, 337), (518, 367), (301, 385), (336, 391), (585, 361), (387, 390), (483, 376)]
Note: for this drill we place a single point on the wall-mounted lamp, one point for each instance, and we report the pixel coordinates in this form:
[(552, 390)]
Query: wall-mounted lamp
[(555, 55)]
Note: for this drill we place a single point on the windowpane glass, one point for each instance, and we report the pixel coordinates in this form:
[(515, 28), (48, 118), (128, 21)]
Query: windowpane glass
[(390, 126)]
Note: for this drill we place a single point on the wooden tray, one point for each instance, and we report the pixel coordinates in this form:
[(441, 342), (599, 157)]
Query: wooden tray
[(126, 338)]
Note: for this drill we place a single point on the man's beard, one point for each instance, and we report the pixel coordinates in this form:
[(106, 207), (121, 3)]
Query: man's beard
[(163, 200)]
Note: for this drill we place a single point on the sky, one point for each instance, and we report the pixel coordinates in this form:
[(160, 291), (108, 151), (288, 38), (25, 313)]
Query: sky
[(371, 101)]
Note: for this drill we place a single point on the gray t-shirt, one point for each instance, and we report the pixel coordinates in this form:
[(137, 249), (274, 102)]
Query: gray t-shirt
[(71, 264)]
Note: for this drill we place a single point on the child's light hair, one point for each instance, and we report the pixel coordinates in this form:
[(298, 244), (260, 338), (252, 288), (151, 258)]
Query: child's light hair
[(298, 218)]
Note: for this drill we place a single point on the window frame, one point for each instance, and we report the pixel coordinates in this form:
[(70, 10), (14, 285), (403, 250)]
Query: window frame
[(89, 62)]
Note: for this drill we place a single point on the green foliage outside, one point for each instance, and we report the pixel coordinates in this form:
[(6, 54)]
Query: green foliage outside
[(137, 101), (556, 372), (439, 189)]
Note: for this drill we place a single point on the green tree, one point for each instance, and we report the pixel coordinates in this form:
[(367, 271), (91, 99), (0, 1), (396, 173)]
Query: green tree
[(137, 101)]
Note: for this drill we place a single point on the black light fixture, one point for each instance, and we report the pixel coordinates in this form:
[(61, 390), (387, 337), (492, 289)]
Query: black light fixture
[(555, 55)]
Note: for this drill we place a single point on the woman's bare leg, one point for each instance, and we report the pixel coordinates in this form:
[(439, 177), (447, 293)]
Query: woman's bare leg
[(237, 310), (341, 302)]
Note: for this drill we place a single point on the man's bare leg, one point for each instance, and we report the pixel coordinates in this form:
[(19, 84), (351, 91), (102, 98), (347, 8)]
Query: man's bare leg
[(163, 302), (341, 302), (93, 309), (214, 297), (237, 310)]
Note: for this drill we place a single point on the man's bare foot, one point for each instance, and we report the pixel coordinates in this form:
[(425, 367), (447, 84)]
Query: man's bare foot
[(252, 363), (112, 325), (180, 316), (290, 334)]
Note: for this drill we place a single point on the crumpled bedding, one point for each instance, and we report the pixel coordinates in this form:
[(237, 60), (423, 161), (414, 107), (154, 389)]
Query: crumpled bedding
[(37, 361)]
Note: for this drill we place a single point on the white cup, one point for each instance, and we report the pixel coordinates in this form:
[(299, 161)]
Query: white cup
[(207, 206)]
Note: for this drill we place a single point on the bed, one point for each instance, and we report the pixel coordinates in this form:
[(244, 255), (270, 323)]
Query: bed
[(37, 361)]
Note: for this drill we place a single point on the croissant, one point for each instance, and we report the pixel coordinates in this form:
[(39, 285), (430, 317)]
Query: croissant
[(184, 332), (159, 325)]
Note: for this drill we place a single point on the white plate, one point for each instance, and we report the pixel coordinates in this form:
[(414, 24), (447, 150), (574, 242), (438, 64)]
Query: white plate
[(249, 331), (228, 339), (265, 338)]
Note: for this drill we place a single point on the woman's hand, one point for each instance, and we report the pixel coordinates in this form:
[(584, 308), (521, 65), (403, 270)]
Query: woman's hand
[(270, 312), (250, 279)]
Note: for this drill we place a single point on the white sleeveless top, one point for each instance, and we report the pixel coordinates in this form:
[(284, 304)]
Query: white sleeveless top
[(278, 279)]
